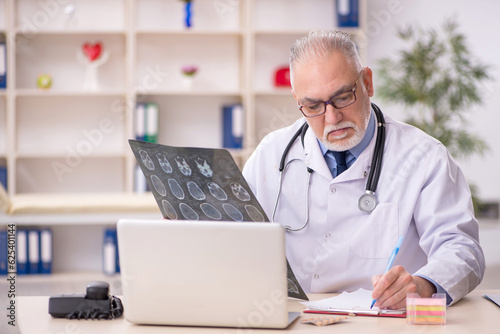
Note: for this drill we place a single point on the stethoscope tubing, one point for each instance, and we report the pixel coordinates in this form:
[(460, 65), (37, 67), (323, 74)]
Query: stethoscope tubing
[(373, 176)]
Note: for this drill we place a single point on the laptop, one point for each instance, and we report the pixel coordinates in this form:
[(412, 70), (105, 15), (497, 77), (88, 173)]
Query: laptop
[(204, 273)]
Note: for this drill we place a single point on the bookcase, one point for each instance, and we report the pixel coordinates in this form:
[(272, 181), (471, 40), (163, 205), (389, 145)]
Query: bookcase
[(72, 139)]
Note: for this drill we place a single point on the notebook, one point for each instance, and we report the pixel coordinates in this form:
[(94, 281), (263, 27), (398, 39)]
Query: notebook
[(357, 302), (204, 273)]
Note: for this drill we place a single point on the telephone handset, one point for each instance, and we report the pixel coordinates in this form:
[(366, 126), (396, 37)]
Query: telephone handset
[(95, 304)]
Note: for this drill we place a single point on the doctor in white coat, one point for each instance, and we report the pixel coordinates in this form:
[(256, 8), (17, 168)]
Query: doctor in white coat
[(421, 194)]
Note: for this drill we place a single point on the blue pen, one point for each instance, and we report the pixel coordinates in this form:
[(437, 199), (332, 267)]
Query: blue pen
[(391, 260)]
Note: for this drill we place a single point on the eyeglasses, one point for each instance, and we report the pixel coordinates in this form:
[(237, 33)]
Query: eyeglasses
[(339, 101)]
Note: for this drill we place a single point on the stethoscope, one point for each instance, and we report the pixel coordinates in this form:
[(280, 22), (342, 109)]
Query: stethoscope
[(367, 202)]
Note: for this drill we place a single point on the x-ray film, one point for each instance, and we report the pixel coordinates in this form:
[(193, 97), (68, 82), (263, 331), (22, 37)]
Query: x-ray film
[(201, 184)]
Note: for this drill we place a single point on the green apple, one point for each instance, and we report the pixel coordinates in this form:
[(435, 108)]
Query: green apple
[(44, 81)]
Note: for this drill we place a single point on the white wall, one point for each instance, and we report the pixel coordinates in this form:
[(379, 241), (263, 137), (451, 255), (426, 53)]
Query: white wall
[(478, 20)]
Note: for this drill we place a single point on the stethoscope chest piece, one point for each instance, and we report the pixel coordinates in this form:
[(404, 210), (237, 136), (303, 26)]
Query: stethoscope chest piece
[(367, 202)]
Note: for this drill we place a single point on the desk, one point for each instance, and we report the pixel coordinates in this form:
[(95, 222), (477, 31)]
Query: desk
[(473, 314)]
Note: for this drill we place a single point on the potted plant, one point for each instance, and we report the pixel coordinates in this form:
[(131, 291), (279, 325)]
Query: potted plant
[(438, 80)]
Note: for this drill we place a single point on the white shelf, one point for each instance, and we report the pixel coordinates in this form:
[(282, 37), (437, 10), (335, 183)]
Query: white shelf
[(69, 139), (50, 93)]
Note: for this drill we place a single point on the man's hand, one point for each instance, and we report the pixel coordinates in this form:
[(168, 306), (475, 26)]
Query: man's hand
[(391, 288)]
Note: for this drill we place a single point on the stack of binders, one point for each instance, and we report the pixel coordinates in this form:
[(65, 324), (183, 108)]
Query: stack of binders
[(33, 251)]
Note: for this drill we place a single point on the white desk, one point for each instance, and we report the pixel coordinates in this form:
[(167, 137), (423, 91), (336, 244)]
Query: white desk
[(473, 314)]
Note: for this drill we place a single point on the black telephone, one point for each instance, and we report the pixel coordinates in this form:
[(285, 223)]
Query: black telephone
[(95, 304)]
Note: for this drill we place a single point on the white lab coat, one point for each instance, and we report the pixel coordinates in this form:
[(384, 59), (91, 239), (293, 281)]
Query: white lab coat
[(422, 195)]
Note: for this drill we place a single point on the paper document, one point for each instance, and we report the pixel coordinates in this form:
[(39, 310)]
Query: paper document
[(357, 302), (494, 298)]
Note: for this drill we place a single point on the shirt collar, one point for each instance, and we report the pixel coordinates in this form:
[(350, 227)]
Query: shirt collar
[(358, 149)]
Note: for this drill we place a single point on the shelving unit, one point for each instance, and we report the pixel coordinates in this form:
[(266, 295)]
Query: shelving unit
[(69, 139)]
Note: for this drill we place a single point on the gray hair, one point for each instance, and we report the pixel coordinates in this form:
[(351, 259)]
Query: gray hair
[(321, 44)]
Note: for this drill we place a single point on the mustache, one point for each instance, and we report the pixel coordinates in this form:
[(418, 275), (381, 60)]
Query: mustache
[(341, 125)]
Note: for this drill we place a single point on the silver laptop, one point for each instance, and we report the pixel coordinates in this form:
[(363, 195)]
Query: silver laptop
[(204, 273)]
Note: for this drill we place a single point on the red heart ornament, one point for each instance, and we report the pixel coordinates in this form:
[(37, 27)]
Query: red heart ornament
[(92, 51)]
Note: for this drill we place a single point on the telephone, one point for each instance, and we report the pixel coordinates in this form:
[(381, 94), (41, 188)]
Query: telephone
[(95, 304)]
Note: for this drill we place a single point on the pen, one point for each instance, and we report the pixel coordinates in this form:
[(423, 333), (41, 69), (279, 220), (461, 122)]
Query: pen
[(391, 260)]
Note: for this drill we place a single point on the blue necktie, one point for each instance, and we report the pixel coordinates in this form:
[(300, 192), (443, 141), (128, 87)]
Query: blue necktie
[(341, 163)]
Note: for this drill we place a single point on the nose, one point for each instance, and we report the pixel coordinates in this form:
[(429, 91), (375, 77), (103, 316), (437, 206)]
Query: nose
[(332, 114)]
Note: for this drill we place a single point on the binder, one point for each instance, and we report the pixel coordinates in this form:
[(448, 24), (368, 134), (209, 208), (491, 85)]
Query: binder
[(140, 115), (152, 114), (3, 252), (347, 13), (109, 252), (46, 251), (3, 176), (22, 252), (140, 183), (33, 252), (232, 127), (3, 65)]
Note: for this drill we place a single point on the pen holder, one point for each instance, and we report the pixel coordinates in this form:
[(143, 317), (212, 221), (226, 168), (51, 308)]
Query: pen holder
[(426, 311)]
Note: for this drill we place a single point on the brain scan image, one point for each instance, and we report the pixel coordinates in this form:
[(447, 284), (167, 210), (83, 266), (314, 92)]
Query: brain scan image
[(203, 167), (217, 191), (195, 191), (232, 212), (210, 211), (183, 165), (188, 212), (158, 185), (240, 192), (176, 189), (169, 209), (254, 213), (146, 160), (164, 164)]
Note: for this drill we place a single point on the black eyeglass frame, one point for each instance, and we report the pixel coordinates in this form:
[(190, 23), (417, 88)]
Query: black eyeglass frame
[(326, 103)]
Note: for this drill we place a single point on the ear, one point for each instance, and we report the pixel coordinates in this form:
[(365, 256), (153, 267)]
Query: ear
[(368, 80)]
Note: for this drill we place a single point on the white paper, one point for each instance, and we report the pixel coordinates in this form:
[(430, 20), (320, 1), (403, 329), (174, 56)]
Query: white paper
[(360, 299)]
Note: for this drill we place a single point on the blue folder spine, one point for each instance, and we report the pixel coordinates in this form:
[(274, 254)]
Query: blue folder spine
[(348, 13), (22, 252), (109, 251), (45, 251), (3, 252), (3, 65), (34, 251), (232, 126)]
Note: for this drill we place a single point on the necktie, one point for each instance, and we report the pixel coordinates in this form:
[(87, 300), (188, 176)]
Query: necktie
[(341, 164)]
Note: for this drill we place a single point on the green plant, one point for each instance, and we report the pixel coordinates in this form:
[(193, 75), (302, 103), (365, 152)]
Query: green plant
[(439, 81)]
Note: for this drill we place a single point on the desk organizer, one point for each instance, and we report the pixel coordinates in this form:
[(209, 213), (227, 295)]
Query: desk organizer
[(426, 311)]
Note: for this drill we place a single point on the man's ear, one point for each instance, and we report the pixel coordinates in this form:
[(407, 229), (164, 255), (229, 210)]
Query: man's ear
[(368, 80)]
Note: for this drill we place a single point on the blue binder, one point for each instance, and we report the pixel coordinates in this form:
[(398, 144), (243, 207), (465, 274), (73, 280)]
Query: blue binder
[(232, 126), (22, 252), (3, 65), (109, 251), (45, 251), (3, 176), (140, 119), (347, 13), (3, 252), (33, 251)]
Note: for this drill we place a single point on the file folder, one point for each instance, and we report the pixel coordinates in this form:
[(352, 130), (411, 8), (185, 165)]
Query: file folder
[(22, 252), (3, 252), (3, 65), (33, 251), (109, 251), (233, 122), (46, 251)]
